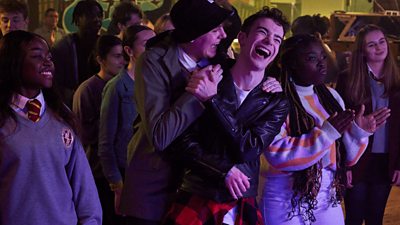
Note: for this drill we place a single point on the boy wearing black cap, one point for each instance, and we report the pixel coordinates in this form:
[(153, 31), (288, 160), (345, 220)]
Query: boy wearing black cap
[(167, 105)]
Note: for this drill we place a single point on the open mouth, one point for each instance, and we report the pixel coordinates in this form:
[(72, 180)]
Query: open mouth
[(47, 74), (215, 45), (263, 52)]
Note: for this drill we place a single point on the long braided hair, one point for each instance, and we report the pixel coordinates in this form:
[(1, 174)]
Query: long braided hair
[(307, 182)]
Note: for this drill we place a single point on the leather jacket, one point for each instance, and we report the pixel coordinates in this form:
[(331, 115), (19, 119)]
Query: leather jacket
[(228, 135)]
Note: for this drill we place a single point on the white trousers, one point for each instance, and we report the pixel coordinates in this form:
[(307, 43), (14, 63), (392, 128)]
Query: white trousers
[(277, 193)]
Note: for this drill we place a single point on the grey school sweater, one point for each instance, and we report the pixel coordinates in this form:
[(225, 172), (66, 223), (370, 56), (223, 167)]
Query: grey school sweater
[(44, 175)]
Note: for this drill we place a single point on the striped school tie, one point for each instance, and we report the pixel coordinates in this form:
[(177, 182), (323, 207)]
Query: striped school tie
[(33, 107)]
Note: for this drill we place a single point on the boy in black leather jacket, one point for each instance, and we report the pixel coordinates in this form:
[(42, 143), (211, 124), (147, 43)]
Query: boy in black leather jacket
[(221, 149)]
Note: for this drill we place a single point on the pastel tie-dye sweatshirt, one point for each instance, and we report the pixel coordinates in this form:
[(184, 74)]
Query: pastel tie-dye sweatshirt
[(287, 153)]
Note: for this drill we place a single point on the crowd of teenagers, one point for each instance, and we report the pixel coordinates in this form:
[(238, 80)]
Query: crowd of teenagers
[(167, 125)]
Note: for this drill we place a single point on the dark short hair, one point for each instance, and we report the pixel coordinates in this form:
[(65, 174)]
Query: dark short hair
[(310, 24), (123, 11), (82, 9), (105, 43), (49, 10), (14, 6), (266, 12)]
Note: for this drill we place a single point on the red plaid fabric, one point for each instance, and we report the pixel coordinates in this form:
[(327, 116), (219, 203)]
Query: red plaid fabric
[(191, 209)]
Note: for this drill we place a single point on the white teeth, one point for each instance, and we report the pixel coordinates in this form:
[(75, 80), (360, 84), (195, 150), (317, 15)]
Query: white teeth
[(263, 49), (47, 73), (264, 52)]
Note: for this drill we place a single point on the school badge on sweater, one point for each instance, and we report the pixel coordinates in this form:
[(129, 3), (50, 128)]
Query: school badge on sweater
[(67, 137)]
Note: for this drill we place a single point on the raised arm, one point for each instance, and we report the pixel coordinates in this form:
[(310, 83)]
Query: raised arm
[(166, 110)]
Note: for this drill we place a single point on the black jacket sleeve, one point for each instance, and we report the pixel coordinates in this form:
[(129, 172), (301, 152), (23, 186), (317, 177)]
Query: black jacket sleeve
[(214, 149), (253, 128)]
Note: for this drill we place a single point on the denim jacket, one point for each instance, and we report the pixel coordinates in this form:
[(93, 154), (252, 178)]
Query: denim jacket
[(117, 114)]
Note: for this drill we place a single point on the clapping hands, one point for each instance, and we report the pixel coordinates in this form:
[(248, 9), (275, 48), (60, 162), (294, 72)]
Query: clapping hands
[(342, 121), (372, 121)]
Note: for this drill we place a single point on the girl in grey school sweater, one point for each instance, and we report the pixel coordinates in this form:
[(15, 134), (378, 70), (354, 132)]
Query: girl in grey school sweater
[(44, 174)]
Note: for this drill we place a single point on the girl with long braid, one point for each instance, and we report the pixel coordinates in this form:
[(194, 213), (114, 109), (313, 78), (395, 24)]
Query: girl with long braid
[(305, 179)]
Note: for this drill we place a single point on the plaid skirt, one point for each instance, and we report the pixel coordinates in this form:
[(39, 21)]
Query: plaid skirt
[(189, 209)]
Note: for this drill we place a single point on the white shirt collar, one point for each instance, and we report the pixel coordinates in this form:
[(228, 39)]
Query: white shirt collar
[(370, 70), (18, 103), (186, 60)]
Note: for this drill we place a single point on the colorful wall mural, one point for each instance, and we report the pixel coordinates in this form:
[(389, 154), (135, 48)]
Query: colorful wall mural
[(152, 8)]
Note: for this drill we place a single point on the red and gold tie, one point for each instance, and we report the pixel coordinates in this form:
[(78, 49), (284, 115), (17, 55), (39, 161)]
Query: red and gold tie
[(33, 107)]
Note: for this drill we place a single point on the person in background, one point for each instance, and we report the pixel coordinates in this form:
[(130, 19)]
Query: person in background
[(118, 111), (232, 28), (163, 23), (124, 15), (86, 106), (49, 30), (165, 108), (308, 158), (72, 55), (373, 80), (45, 177), (146, 22), (13, 16), (221, 149), (308, 24)]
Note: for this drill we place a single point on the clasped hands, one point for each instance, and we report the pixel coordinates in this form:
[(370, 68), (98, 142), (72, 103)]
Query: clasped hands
[(203, 83)]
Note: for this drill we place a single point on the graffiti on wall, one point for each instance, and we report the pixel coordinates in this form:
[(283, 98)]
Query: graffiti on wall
[(152, 8)]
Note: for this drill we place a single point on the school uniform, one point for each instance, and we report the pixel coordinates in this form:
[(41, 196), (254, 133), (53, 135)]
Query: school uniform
[(45, 177), (372, 175)]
